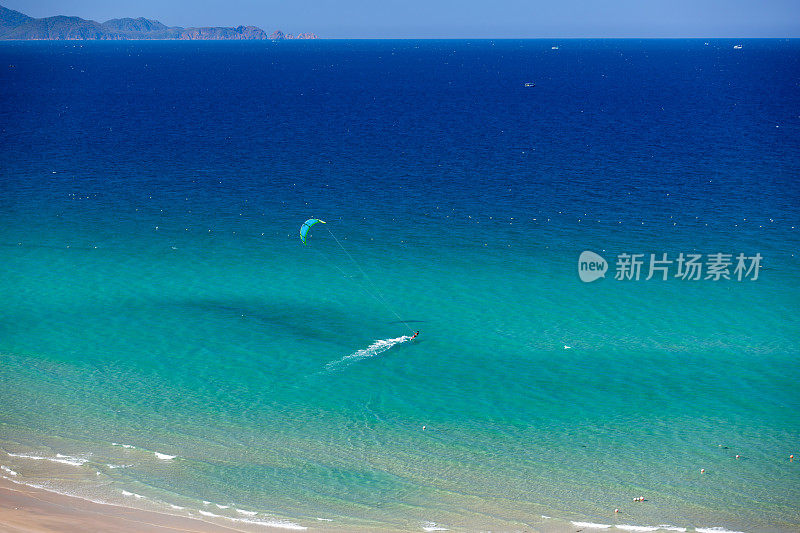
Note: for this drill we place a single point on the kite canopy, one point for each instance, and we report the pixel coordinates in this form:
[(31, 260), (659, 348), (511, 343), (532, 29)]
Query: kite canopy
[(307, 226)]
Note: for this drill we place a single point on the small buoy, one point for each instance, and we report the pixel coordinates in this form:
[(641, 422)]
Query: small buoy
[(702, 470), (791, 457), (738, 456), (424, 427), (616, 510)]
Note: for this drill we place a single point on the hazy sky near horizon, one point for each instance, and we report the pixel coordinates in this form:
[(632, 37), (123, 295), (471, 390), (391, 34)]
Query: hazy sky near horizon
[(454, 18)]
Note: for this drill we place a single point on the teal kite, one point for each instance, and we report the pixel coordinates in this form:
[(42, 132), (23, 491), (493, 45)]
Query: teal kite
[(307, 226)]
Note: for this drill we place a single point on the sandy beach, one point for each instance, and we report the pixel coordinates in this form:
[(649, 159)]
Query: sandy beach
[(25, 509)]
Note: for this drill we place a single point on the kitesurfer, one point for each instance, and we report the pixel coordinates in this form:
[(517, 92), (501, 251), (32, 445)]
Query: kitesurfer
[(415, 336)]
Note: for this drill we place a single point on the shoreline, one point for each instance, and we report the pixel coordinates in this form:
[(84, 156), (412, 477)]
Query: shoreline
[(28, 509), (33, 510), (44, 498)]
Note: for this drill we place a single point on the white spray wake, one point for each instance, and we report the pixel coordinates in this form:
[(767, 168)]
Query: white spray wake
[(372, 350)]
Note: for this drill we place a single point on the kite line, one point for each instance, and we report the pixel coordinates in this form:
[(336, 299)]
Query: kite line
[(306, 226)]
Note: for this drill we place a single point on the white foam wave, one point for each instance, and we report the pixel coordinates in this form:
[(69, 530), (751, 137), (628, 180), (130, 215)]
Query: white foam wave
[(137, 496), (69, 460), (177, 507), (51, 489), (377, 347), (246, 513), (63, 459), (118, 466), (164, 457), (123, 445), (431, 526), (222, 506), (628, 527), (283, 524), (7, 470), (591, 525), (275, 523), (715, 529)]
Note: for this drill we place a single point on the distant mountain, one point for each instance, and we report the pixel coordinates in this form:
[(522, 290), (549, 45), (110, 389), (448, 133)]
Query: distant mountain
[(17, 26), (128, 28), (238, 33), (59, 27), (10, 19)]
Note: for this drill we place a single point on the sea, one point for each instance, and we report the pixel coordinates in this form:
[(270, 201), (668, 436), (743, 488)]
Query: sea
[(602, 266)]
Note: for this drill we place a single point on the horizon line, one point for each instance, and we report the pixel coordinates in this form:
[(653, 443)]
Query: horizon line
[(318, 38)]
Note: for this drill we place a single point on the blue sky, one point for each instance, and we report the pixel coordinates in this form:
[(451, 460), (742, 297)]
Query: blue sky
[(455, 18)]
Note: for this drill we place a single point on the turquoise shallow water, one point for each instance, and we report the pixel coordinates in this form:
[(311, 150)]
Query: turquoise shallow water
[(155, 293)]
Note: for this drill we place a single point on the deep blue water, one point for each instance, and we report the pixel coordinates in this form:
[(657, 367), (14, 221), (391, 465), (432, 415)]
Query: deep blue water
[(155, 293)]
